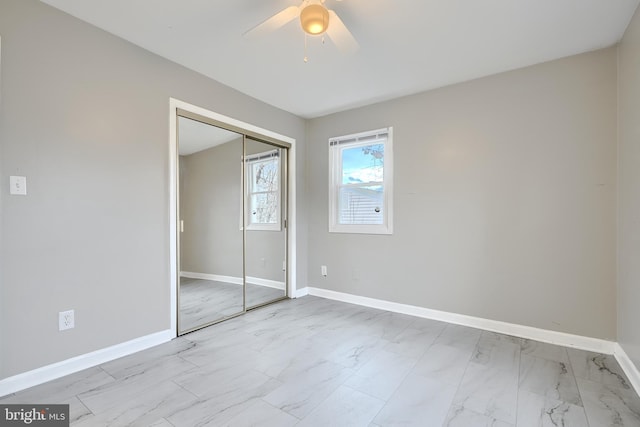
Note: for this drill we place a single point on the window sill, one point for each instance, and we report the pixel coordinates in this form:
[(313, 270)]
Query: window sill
[(361, 229)]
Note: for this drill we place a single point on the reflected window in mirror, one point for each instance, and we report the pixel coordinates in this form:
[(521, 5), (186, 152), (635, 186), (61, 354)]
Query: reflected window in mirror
[(263, 191)]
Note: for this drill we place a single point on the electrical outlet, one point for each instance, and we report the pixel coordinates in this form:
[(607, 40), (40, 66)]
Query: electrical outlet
[(66, 320), (323, 270)]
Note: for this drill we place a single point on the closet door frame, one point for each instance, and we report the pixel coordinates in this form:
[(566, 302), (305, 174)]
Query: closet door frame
[(179, 108)]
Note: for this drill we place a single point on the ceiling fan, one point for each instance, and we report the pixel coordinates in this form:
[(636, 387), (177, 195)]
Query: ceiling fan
[(315, 20)]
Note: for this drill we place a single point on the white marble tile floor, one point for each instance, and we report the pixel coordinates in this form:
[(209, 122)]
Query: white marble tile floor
[(316, 362)]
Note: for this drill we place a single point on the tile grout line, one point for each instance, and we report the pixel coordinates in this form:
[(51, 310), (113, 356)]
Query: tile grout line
[(462, 377), (518, 383), (575, 380), (386, 401)]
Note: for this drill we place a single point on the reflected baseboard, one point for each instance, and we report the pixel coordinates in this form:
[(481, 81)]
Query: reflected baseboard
[(234, 280), (212, 277), (265, 282)]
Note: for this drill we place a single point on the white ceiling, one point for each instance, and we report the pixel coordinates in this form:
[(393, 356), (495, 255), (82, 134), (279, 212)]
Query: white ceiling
[(406, 46)]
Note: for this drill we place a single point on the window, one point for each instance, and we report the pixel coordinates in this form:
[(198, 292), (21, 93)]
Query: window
[(263, 191), (360, 183)]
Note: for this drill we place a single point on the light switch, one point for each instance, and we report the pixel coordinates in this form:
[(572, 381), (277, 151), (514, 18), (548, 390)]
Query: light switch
[(18, 185)]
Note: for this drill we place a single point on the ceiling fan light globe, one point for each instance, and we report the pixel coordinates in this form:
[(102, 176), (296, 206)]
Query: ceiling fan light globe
[(314, 19)]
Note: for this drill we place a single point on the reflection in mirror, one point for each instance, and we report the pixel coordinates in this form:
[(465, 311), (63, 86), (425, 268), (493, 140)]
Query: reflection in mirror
[(210, 191), (265, 251)]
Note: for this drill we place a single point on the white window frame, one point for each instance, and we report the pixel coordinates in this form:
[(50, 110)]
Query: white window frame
[(336, 146), (262, 158)]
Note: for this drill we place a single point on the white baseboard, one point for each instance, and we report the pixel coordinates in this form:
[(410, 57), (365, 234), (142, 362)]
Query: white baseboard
[(301, 293), (60, 369), (233, 280), (528, 332), (627, 366)]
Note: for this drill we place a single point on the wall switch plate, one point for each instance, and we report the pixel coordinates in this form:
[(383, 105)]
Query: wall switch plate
[(66, 320), (323, 270), (18, 185)]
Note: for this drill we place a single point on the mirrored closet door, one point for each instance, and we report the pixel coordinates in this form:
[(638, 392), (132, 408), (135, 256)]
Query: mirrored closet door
[(232, 230), (210, 234), (266, 237)]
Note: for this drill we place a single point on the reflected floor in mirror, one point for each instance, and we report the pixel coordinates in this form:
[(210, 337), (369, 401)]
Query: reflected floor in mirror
[(204, 301), (316, 362)]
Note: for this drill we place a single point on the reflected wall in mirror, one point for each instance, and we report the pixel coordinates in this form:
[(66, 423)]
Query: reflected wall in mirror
[(210, 236), (266, 236)]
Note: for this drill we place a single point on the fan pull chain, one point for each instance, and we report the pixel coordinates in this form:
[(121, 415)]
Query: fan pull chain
[(305, 49)]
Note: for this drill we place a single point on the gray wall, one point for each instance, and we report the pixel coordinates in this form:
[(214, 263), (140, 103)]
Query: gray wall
[(85, 118), (629, 191), (210, 204), (505, 195)]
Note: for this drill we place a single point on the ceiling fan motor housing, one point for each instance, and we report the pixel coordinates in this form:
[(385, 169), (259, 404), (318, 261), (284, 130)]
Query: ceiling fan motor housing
[(314, 19)]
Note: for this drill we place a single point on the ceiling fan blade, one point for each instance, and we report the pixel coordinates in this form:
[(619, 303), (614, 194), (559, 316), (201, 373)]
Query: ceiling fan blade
[(340, 35), (276, 21)]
